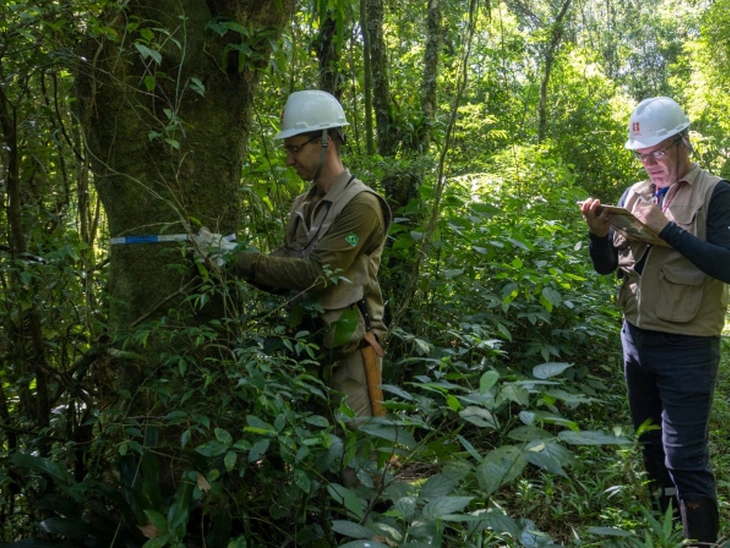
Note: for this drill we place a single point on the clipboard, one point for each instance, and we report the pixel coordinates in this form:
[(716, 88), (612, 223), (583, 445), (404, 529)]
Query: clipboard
[(631, 227)]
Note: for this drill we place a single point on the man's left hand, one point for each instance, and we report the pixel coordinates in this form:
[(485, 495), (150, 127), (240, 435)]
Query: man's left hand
[(651, 215)]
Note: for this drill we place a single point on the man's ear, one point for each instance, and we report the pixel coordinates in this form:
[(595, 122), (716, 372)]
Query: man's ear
[(687, 143)]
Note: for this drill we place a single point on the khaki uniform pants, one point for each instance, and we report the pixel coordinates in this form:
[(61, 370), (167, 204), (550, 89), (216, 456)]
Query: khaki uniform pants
[(349, 380)]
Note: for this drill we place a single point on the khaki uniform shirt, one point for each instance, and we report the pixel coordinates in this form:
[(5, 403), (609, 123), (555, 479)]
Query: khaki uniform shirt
[(353, 222)]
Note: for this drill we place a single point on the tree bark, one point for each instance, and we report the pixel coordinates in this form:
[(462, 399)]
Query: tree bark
[(328, 53), (367, 79), (556, 36), (166, 104), (385, 131), (429, 82), (29, 319)]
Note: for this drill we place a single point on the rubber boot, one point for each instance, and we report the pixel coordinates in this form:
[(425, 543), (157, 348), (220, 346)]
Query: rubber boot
[(700, 519)]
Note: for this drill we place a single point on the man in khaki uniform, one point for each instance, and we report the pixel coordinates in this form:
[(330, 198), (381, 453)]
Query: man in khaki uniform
[(339, 225)]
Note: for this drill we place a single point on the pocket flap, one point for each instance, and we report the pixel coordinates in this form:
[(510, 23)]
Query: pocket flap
[(683, 216), (689, 276)]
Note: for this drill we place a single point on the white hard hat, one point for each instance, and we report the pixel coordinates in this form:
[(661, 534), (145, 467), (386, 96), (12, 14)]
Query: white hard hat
[(310, 110), (655, 120)]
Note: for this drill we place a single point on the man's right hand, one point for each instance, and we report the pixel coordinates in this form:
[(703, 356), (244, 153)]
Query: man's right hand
[(212, 247), (597, 219)]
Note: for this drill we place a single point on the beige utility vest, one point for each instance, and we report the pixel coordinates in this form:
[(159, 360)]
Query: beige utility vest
[(361, 279), (672, 295)]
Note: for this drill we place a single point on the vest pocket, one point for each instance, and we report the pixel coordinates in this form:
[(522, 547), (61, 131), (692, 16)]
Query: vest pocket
[(680, 294)]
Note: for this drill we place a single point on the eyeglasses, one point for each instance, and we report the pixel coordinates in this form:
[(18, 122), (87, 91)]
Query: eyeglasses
[(295, 149), (656, 155)]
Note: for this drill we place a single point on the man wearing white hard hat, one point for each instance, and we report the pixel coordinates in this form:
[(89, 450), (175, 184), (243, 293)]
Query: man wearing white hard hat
[(339, 225), (674, 299)]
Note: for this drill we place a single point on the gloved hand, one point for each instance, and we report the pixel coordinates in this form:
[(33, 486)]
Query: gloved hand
[(211, 247)]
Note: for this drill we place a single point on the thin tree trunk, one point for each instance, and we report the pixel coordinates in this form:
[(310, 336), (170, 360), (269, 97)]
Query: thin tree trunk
[(379, 73), (28, 317), (556, 37), (368, 79), (429, 81), (328, 54)]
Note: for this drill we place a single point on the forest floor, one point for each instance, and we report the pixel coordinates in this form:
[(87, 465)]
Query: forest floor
[(617, 497)]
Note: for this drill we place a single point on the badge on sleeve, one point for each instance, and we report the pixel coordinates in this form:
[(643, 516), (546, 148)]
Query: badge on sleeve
[(352, 239)]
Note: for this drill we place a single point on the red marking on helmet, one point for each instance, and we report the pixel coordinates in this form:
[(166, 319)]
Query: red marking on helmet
[(636, 127)]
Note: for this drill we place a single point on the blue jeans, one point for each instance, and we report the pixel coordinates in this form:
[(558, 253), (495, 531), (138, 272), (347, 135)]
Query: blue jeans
[(671, 382)]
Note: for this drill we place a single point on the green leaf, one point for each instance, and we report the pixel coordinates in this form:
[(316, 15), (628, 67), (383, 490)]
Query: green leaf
[(437, 486), (157, 542), (301, 479), (197, 86), (258, 449), (68, 527), (500, 467), (237, 28), (390, 433), (406, 506), (351, 529), (150, 82), (156, 519), (501, 523), (453, 402), (591, 437), (217, 26), (179, 510), (548, 455), (213, 448), (531, 418), (469, 447), (487, 381), (479, 416), (397, 391), (258, 426), (42, 466), (552, 296), (148, 53), (354, 504), (444, 506), (364, 544), (514, 393), (609, 532), (174, 143), (549, 370), (223, 436), (529, 433), (176, 417), (344, 327), (449, 274), (229, 461), (317, 420)]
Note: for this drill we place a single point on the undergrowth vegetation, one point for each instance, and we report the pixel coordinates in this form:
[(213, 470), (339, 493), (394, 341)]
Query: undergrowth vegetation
[(506, 425), (206, 420)]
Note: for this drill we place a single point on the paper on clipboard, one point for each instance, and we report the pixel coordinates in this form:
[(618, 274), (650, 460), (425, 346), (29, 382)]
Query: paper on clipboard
[(625, 222)]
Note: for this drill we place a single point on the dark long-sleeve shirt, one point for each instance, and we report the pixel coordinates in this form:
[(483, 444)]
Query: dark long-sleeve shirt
[(711, 256)]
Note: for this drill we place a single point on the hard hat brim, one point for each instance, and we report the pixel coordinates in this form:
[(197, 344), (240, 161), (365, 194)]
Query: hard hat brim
[(285, 134)]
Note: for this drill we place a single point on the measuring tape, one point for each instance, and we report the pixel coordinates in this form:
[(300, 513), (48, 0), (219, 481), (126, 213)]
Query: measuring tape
[(155, 238), (150, 239)]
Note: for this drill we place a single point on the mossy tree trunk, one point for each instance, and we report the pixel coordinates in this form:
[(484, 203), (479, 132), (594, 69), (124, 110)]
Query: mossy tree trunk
[(166, 102)]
